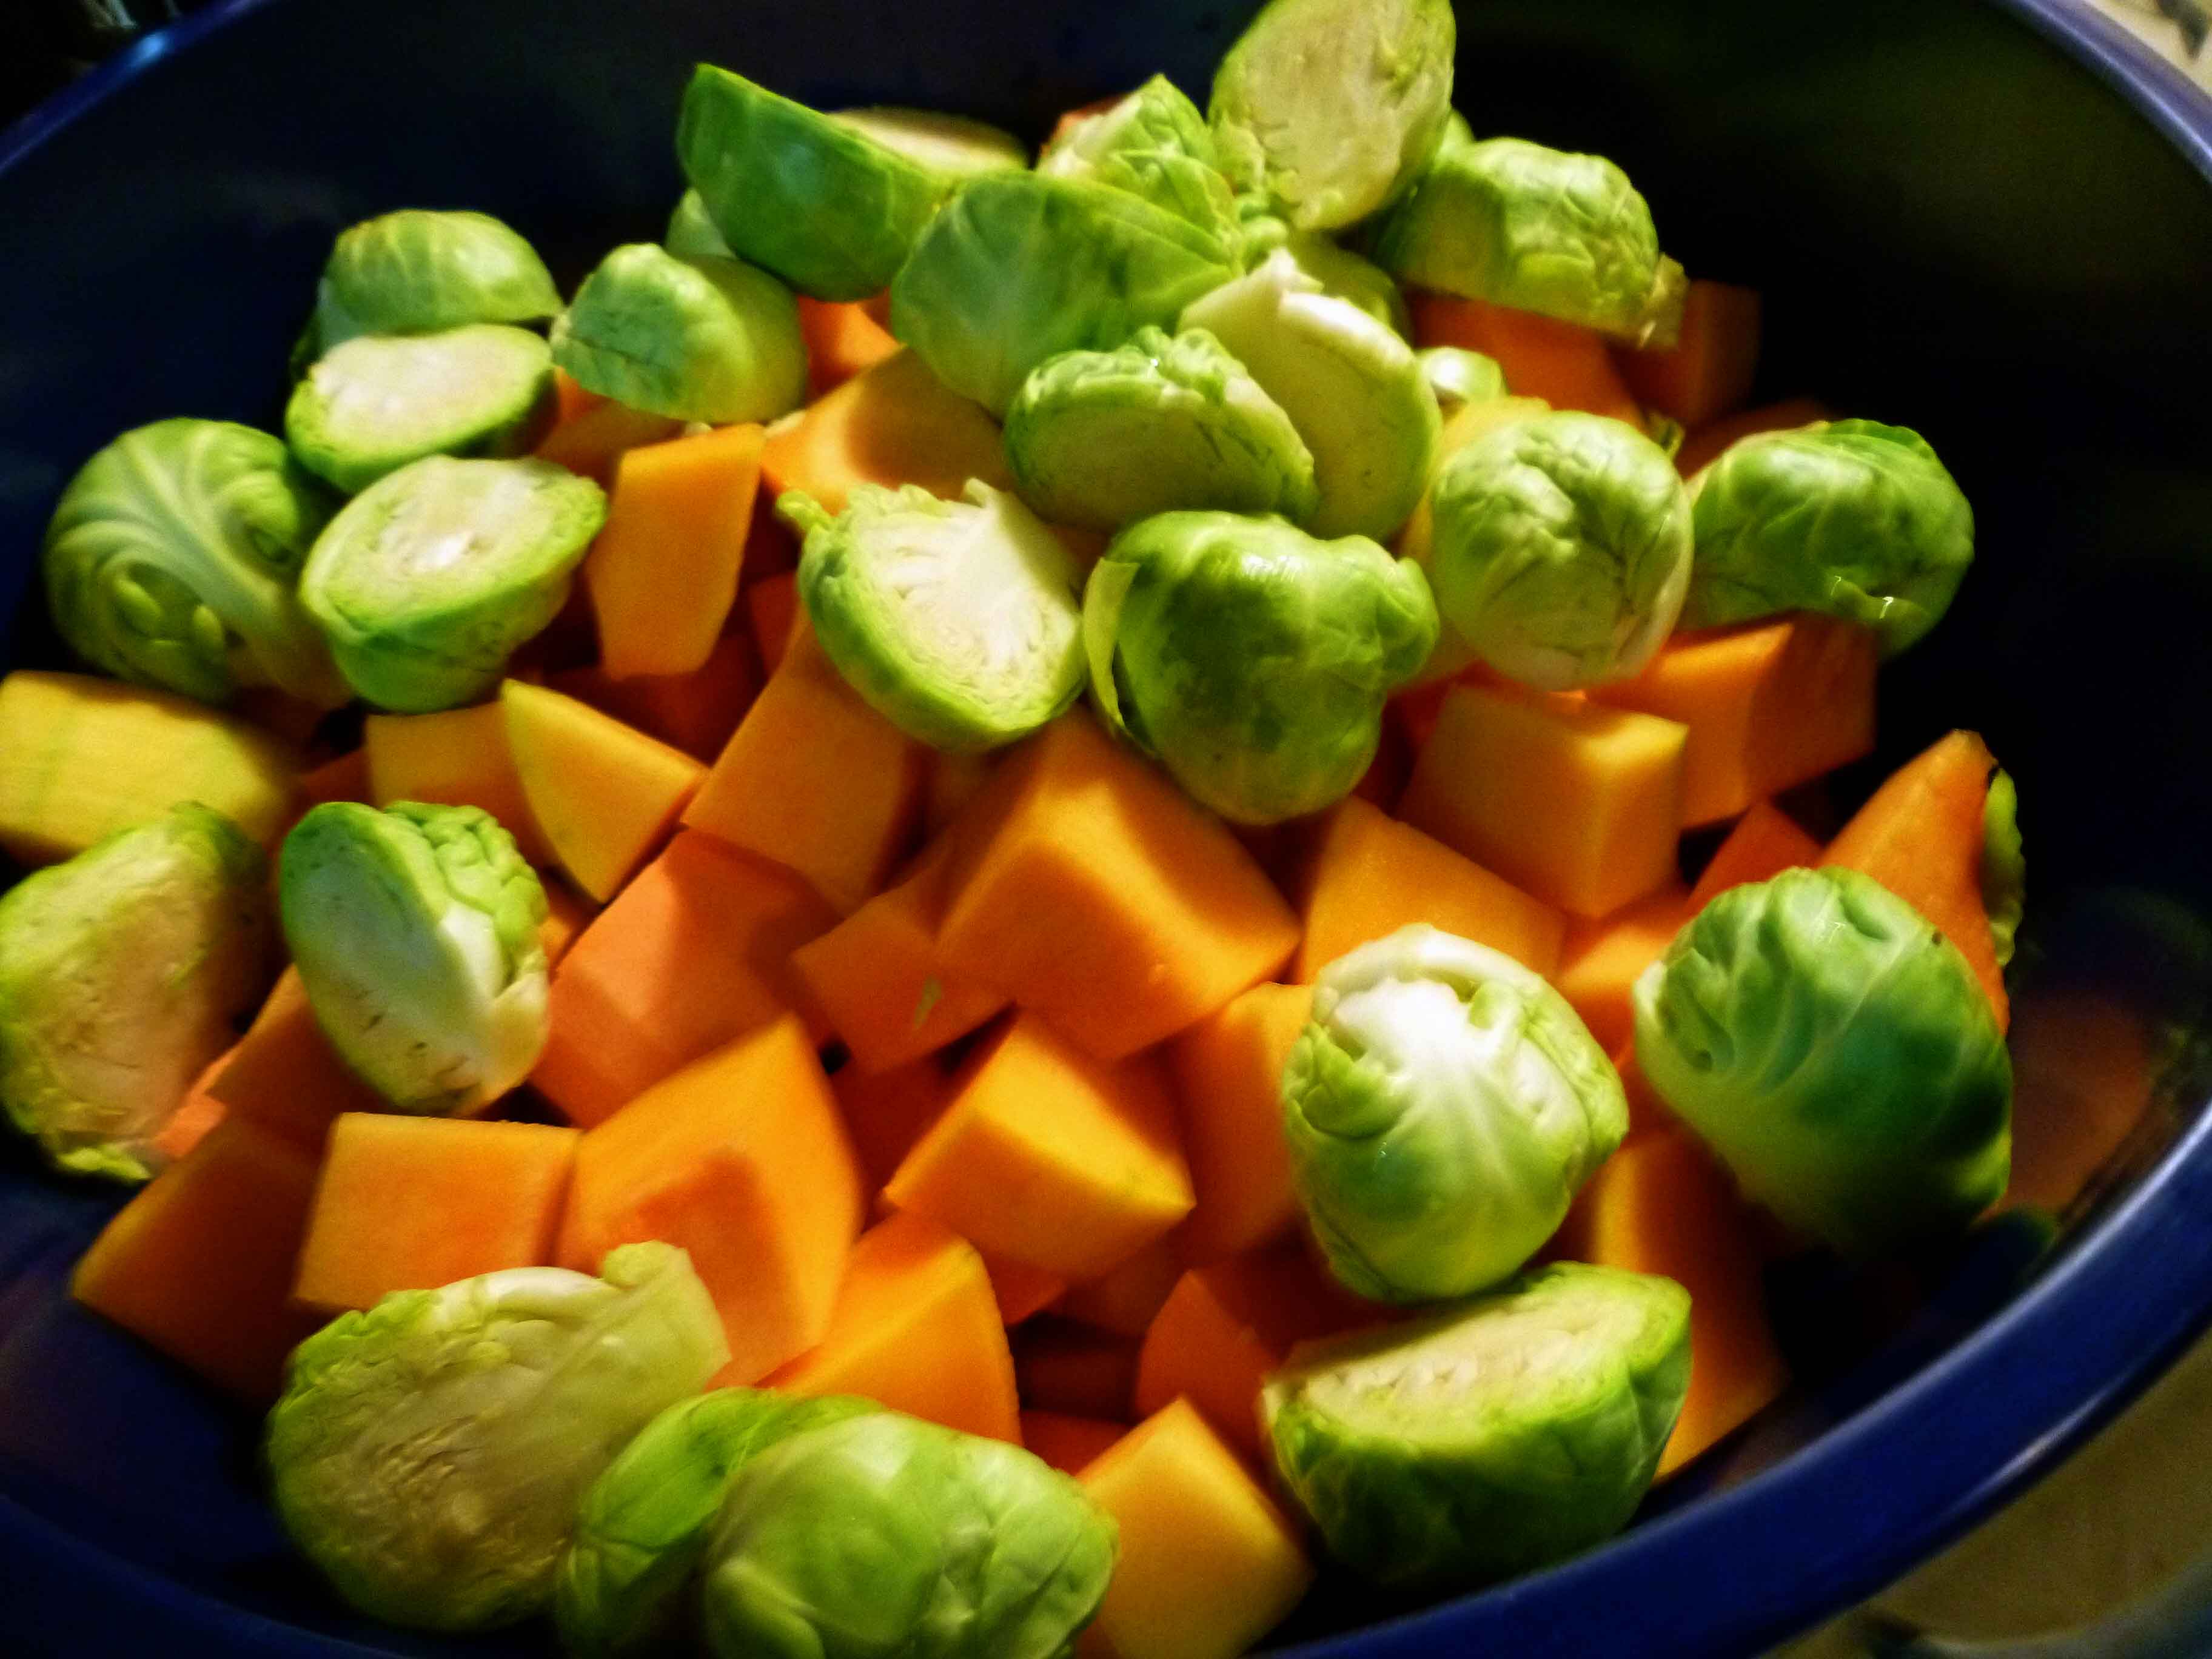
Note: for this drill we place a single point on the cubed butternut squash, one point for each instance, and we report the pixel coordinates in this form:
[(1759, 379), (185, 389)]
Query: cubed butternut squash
[(458, 757), (283, 1073), (595, 437), (1228, 1072), (842, 340), (772, 614), (1567, 366), (694, 712), (1764, 841), (1127, 1297), (893, 424), (1707, 373), (1603, 957)]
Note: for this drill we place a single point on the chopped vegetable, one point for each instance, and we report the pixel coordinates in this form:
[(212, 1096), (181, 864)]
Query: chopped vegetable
[(1458, 376), (458, 757), (893, 424), (1228, 1072), (952, 144), (417, 271)]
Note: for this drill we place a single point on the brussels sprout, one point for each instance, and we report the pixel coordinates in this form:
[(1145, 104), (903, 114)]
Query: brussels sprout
[(1441, 1107), (428, 579), (378, 402), (819, 201), (703, 339), (1459, 377), (1019, 268), (121, 972), (1351, 387), (1152, 143), (1539, 230), (1839, 1053), (885, 1537), (1487, 1440), (417, 271), (2004, 864), (1343, 274), (645, 1523), (1101, 439), (172, 559), (1560, 550), (1251, 659), (958, 622), (1330, 108), (427, 1454), (951, 145), (414, 929), (1853, 519), (691, 234)]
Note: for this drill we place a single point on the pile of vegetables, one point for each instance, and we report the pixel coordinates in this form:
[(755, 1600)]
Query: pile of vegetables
[(1005, 947)]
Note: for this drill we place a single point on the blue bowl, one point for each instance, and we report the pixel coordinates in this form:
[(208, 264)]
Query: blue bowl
[(1991, 221)]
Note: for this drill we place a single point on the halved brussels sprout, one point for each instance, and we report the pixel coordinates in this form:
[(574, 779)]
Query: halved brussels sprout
[(703, 339), (819, 201), (417, 271), (955, 146), (1443, 1106), (1342, 273), (1839, 1053), (1489, 1440), (1101, 439), (1154, 144), (427, 1454), (370, 406), (1351, 387), (1330, 108), (2004, 864), (691, 234), (1019, 267), (1853, 519), (958, 622), (1251, 659), (885, 1537), (1460, 376), (1539, 230), (121, 973), (172, 559), (415, 931), (1560, 548), (428, 579), (644, 1525)]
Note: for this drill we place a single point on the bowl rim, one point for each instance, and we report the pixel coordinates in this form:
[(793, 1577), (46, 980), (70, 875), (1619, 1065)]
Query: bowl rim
[(1915, 1468)]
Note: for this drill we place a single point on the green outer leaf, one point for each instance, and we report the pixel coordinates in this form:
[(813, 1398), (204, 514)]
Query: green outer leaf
[(1561, 548), (1490, 1439), (1441, 1108), (172, 559), (417, 271), (412, 627), (427, 1455), (2004, 864), (1459, 377), (371, 405), (121, 973), (1101, 438), (1519, 224), (956, 146), (829, 210), (1852, 518), (691, 234), (1252, 659), (1019, 268), (1330, 108), (644, 1525), (1154, 144), (701, 339), (1837, 1053)]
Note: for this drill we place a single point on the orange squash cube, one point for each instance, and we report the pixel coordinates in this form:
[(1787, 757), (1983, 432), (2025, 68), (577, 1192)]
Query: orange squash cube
[(1707, 373), (1127, 1298), (592, 440), (1228, 1073), (772, 613), (1567, 366), (459, 758), (1022, 1292), (841, 341), (694, 712), (1603, 957), (1766, 841), (893, 424), (740, 1159), (284, 1075)]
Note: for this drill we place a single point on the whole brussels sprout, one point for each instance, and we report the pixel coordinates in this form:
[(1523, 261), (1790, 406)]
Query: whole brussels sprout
[(818, 201), (172, 559), (1839, 1053), (1560, 549), (1019, 267), (644, 1525), (952, 145), (1490, 1439), (427, 581), (1251, 659), (958, 622), (417, 271), (1101, 439), (414, 929), (121, 973), (1459, 377), (885, 1537), (1443, 1106), (1351, 387), (1539, 230), (427, 1454), (1152, 143), (699, 339), (1330, 108), (1852, 518), (370, 406)]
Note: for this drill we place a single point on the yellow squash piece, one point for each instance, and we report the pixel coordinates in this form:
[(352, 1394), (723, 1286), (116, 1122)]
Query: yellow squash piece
[(457, 758)]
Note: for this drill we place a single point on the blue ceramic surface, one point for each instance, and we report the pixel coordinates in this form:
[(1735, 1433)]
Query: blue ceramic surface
[(1991, 221)]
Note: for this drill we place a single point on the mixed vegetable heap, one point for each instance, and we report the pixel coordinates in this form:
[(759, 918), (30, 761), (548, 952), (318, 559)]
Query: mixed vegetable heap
[(1100, 1002)]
